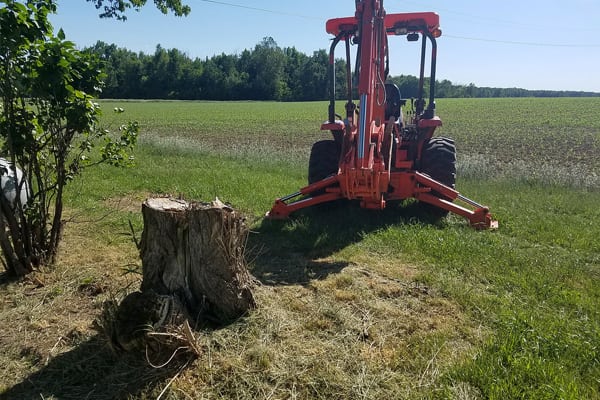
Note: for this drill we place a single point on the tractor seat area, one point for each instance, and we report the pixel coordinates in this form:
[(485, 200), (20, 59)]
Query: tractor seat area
[(393, 102)]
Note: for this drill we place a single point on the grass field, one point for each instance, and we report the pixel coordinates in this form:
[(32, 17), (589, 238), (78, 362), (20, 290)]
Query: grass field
[(353, 304)]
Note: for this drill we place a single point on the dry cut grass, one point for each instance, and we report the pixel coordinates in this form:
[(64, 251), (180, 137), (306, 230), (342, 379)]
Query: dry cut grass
[(354, 334), (355, 329)]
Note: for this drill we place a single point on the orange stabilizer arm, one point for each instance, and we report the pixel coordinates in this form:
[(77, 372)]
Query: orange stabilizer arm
[(479, 217), (282, 209)]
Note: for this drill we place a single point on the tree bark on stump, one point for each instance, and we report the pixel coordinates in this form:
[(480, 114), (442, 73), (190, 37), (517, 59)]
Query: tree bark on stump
[(195, 251)]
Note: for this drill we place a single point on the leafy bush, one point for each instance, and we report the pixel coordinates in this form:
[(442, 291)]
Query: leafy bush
[(49, 126)]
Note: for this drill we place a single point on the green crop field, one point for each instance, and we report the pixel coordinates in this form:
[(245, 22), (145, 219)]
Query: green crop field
[(354, 304)]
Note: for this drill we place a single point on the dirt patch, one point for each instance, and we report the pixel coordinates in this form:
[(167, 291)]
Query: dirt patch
[(131, 202)]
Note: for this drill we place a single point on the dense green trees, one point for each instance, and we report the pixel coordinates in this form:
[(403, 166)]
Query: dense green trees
[(266, 72)]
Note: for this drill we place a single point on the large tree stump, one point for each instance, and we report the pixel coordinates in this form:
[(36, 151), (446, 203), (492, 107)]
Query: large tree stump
[(195, 251)]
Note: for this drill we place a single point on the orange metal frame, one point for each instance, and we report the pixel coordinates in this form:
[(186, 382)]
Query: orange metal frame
[(413, 184), (365, 169)]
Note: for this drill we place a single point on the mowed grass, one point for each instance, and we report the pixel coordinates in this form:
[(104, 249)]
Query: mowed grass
[(353, 303)]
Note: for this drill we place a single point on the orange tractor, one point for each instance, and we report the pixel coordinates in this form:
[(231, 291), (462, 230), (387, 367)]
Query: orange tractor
[(378, 154)]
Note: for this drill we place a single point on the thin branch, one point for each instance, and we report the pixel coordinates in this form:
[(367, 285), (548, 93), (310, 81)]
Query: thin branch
[(183, 367), (133, 237), (166, 362)]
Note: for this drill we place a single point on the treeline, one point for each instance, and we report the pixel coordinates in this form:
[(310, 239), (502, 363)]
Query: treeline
[(266, 72)]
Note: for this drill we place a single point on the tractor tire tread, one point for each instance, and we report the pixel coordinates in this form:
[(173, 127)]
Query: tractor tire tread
[(438, 161), (323, 161)]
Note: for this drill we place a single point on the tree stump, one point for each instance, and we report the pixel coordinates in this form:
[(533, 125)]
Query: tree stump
[(195, 251)]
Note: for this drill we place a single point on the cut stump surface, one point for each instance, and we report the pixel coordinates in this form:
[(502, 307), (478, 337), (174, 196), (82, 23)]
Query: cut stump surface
[(195, 251)]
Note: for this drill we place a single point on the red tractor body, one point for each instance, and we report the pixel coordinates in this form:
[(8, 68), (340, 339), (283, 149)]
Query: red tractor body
[(378, 154)]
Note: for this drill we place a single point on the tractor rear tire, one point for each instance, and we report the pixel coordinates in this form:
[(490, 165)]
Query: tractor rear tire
[(324, 159), (438, 161)]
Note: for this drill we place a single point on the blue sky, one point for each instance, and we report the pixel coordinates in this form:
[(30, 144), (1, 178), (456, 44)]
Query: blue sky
[(531, 44)]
